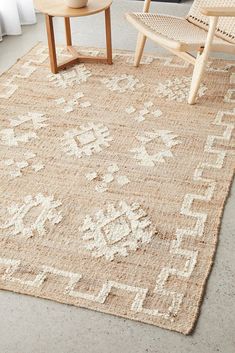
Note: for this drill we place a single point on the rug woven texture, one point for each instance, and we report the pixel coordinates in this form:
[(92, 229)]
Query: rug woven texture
[(112, 187)]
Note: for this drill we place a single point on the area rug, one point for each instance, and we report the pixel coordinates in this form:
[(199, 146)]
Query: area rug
[(112, 187)]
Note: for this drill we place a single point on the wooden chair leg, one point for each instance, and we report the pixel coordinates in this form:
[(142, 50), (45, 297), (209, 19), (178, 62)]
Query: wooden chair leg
[(201, 62), (141, 40), (199, 69)]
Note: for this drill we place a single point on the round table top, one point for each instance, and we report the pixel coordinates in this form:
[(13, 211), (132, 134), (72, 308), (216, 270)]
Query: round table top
[(58, 8)]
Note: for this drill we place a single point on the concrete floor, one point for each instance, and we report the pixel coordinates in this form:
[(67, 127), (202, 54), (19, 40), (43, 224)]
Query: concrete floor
[(30, 325)]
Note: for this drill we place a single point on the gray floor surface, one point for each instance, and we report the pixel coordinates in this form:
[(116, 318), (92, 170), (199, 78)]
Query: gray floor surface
[(31, 325)]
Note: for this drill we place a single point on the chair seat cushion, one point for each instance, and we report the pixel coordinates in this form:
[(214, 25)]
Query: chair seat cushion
[(175, 32)]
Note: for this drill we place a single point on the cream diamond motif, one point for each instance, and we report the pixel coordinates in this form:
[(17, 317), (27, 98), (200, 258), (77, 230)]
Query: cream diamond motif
[(117, 230), (38, 120), (71, 77), (10, 138), (177, 89), (44, 210), (90, 139), (165, 137), (122, 83)]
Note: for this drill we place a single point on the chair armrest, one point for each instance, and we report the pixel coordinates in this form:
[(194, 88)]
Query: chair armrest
[(218, 11)]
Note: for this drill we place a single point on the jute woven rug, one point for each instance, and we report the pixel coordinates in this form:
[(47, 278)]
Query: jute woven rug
[(112, 187)]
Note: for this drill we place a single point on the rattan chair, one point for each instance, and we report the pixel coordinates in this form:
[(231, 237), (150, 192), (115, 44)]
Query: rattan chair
[(209, 26)]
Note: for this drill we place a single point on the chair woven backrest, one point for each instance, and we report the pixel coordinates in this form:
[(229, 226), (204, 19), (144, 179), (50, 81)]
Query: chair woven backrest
[(226, 25)]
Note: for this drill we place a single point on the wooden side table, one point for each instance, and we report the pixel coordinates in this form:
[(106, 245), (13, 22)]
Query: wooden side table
[(57, 8)]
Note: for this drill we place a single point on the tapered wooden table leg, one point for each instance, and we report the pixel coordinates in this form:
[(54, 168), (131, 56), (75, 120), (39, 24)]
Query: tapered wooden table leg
[(57, 9), (108, 36), (51, 44), (68, 31)]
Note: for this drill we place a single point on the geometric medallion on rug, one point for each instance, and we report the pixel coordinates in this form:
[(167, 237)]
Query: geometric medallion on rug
[(112, 186)]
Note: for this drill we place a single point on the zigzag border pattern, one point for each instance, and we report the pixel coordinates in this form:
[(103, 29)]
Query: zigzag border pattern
[(187, 210), (28, 68)]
